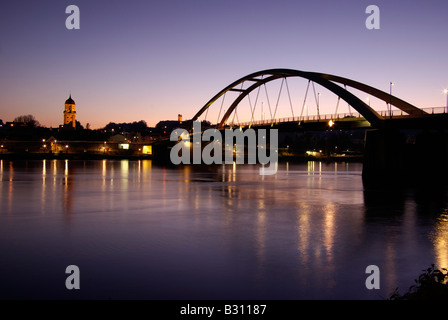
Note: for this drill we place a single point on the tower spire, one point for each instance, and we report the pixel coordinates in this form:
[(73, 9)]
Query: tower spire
[(69, 112)]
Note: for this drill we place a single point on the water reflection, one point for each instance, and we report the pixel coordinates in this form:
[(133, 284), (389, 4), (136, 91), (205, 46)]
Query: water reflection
[(260, 236), (10, 189), (44, 186), (439, 238), (408, 217), (329, 226), (68, 188), (307, 232), (304, 231)]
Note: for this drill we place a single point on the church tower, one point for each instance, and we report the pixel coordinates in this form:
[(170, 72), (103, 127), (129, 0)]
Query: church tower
[(70, 113)]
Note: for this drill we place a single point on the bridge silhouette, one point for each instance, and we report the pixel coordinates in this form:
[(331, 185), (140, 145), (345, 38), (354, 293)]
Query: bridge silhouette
[(388, 151), (376, 119)]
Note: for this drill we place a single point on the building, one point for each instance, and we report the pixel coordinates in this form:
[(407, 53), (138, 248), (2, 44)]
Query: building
[(70, 113)]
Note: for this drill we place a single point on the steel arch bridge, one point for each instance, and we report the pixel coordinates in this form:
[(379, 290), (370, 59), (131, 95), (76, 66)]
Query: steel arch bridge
[(327, 81)]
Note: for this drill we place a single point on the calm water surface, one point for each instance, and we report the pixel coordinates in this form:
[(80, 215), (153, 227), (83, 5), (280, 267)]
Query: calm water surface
[(141, 231)]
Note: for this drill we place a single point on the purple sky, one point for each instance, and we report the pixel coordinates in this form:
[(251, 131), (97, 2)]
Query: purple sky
[(150, 60)]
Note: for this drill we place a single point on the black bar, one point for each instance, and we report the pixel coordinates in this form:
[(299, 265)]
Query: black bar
[(221, 309)]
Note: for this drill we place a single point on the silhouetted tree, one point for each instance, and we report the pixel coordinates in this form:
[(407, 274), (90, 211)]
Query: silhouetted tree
[(135, 126), (29, 119)]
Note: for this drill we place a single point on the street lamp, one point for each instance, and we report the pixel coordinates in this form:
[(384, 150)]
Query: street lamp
[(390, 101), (445, 91)]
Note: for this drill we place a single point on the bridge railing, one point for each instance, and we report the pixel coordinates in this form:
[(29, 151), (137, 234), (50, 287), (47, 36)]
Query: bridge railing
[(434, 110), (302, 118), (339, 116), (400, 113)]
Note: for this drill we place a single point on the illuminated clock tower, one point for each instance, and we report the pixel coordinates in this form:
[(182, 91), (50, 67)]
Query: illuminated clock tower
[(70, 113)]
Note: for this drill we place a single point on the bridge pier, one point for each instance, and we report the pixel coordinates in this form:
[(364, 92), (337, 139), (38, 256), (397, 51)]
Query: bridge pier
[(381, 156), (405, 156)]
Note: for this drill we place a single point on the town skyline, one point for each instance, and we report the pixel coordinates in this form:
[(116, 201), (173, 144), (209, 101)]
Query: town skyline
[(153, 61), (69, 120)]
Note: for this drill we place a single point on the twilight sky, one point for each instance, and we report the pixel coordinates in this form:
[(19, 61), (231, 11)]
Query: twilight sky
[(150, 60)]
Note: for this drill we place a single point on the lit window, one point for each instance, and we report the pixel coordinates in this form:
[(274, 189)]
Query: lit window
[(147, 150)]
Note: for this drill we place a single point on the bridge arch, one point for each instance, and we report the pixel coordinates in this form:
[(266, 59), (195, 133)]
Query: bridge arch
[(326, 80)]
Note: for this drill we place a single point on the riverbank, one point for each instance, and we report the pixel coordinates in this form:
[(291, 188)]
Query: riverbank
[(73, 156), (139, 156)]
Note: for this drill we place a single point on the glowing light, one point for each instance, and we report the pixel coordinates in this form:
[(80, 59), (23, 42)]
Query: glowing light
[(330, 123), (313, 153), (147, 150)]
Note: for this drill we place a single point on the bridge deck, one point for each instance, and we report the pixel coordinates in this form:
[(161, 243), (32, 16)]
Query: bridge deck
[(353, 116)]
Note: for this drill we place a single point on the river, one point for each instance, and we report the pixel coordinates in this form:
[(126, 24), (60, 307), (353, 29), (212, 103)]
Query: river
[(137, 230)]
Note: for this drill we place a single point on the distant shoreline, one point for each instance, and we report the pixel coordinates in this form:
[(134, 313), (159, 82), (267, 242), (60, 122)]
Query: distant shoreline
[(109, 156), (71, 156)]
